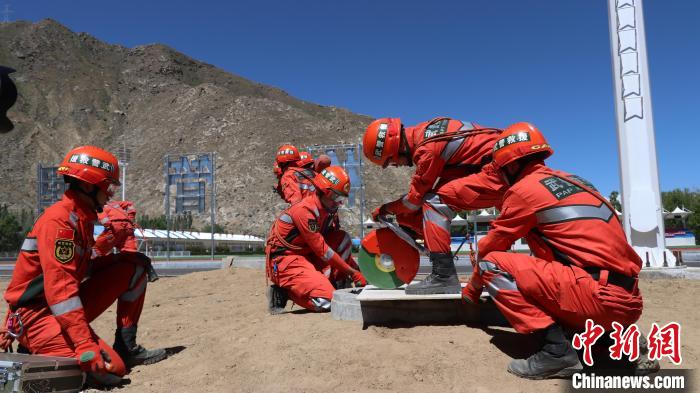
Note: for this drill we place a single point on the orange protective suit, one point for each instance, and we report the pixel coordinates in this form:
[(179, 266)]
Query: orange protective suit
[(307, 251), (118, 219), (582, 266), (57, 289), (452, 174), (296, 183)]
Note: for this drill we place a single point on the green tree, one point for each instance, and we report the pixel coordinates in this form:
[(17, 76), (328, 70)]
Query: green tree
[(615, 201), (11, 233), (687, 198)]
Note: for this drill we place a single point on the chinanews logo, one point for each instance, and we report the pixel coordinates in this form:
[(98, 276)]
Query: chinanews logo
[(381, 138), (512, 139)]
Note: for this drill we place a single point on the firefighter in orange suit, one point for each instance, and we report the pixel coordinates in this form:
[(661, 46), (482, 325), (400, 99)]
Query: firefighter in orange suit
[(119, 221), (582, 266), (296, 182), (307, 251), (452, 174), (57, 289)]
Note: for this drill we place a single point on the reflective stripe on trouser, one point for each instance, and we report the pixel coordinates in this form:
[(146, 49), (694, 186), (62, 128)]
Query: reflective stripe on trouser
[(437, 219), (533, 293), (130, 303), (302, 280)]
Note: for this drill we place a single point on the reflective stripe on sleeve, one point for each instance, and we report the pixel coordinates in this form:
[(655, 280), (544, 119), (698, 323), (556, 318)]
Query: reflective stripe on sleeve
[(328, 255), (574, 212), (66, 306), (286, 218), (30, 244), (408, 204)]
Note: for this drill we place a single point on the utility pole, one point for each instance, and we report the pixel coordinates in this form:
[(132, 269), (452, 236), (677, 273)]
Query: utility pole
[(124, 154), (6, 13)]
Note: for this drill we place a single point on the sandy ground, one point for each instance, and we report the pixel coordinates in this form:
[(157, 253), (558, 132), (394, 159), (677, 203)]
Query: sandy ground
[(232, 344)]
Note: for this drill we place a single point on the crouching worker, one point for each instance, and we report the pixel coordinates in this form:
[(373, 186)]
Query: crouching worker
[(306, 249), (453, 173), (119, 221), (582, 266), (57, 289)]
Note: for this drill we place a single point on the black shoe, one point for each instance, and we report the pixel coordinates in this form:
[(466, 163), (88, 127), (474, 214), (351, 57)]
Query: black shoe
[(442, 279), (141, 355), (543, 365), (133, 354), (276, 299)]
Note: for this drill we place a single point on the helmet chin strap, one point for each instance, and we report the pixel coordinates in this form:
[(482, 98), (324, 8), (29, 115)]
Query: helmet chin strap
[(93, 197)]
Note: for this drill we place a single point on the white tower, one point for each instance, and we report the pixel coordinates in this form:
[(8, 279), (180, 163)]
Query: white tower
[(641, 197)]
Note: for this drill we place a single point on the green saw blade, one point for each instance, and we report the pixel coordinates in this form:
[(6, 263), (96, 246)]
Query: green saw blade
[(378, 269)]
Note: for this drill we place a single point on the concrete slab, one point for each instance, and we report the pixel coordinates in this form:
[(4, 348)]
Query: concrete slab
[(392, 307), (374, 294), (345, 306)]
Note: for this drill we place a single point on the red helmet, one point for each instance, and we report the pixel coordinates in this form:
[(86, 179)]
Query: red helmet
[(92, 165), (276, 169), (381, 141), (517, 141), (287, 154), (305, 159), (334, 182)]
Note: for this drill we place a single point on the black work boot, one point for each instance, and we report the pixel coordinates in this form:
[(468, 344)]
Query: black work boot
[(556, 359), (442, 279), (133, 354), (276, 299)]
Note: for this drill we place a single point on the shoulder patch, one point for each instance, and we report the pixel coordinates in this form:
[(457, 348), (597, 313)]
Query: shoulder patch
[(560, 188), (64, 250), (436, 128), (583, 181), (313, 225)]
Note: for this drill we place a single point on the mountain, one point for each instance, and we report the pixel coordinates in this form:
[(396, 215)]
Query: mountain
[(76, 90)]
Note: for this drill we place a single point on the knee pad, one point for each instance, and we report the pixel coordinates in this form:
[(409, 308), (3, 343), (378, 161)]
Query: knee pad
[(321, 304)]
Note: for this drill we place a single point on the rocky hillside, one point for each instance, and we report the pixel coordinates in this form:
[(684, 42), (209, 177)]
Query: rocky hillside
[(75, 89)]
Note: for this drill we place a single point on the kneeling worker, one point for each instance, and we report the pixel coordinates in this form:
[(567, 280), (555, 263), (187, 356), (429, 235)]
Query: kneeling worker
[(582, 268), (306, 250), (57, 289)]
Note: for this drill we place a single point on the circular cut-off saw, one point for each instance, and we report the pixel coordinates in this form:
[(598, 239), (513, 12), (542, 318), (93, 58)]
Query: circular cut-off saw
[(389, 257)]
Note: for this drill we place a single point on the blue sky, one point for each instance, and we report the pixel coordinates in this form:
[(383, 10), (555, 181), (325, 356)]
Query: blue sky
[(493, 62)]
